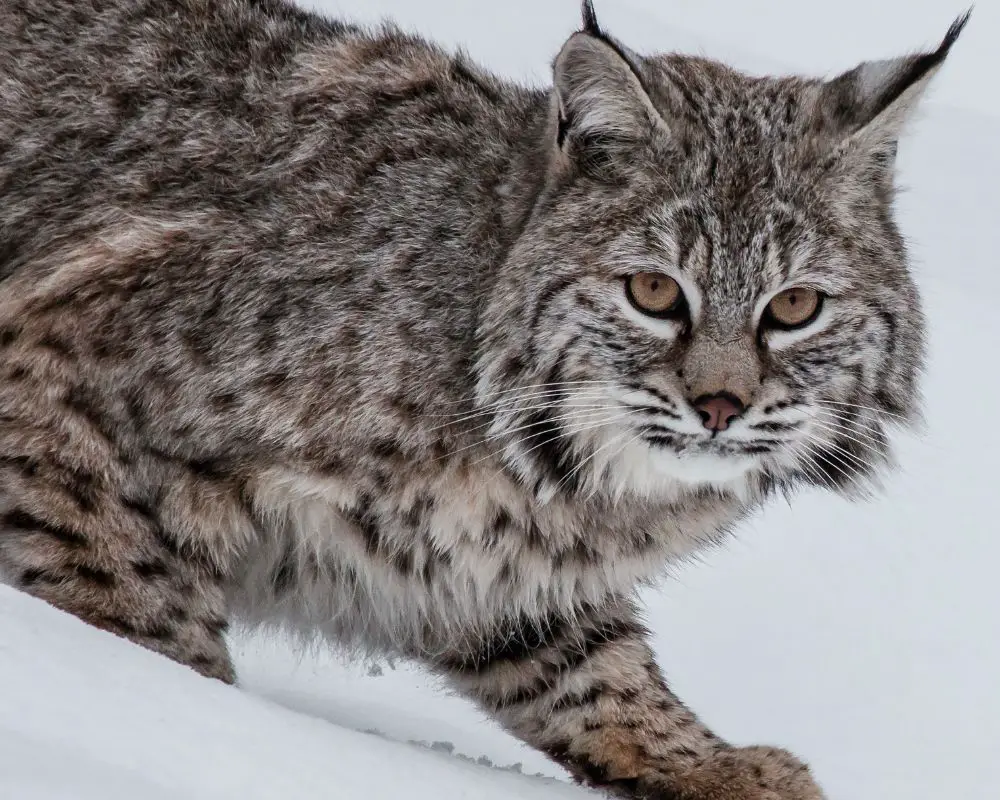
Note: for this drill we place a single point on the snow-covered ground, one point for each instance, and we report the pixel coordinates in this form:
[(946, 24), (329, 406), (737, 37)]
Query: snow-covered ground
[(874, 627)]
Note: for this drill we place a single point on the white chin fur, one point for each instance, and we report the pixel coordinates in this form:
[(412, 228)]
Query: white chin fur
[(701, 468), (651, 472)]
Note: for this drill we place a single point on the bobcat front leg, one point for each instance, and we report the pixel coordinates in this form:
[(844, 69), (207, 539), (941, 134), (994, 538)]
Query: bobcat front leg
[(586, 691)]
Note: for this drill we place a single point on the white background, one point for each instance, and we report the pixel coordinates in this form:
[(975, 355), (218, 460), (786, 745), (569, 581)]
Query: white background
[(864, 637)]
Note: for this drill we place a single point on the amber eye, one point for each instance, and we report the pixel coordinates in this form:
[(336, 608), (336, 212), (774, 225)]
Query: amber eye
[(794, 308), (654, 293)]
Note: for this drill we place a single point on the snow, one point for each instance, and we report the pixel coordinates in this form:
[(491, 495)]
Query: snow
[(86, 715), (863, 637)]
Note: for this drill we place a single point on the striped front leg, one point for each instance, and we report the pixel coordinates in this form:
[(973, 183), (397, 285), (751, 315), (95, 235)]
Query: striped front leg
[(585, 689)]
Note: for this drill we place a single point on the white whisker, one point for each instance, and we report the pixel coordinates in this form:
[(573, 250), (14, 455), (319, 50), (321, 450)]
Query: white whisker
[(585, 417), (833, 451), (858, 406), (809, 463), (512, 400), (521, 410), (565, 434), (585, 461), (554, 385), (857, 422), (873, 445), (813, 452)]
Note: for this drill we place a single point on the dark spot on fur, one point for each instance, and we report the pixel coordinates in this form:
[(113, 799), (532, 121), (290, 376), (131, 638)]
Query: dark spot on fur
[(427, 571), (151, 569), (202, 660), (283, 578), (160, 631), (20, 520), (506, 573), (27, 466), (533, 536), (199, 343), (8, 336), (222, 402), (272, 381), (32, 576), (139, 506), (629, 787), (512, 641), (57, 345), (182, 431), (167, 541), (216, 626), (402, 560), (587, 698), (594, 772), (462, 73), (84, 405), (80, 485), (212, 469), (332, 464), (595, 637), (414, 516), (501, 522), (526, 693), (772, 427), (96, 575), (135, 406), (558, 750), (383, 480), (513, 367), (889, 403), (406, 407), (385, 448), (365, 520)]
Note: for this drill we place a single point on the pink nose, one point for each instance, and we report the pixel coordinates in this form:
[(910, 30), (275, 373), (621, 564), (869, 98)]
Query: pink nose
[(717, 410)]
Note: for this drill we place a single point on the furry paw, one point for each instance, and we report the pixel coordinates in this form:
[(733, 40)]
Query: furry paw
[(749, 773)]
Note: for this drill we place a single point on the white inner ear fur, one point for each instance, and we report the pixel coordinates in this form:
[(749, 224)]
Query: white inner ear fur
[(888, 125), (599, 91)]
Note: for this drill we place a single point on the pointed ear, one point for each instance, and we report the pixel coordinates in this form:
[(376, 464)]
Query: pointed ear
[(600, 107), (863, 112)]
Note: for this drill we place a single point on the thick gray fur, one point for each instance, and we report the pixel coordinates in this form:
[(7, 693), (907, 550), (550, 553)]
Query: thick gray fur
[(327, 328)]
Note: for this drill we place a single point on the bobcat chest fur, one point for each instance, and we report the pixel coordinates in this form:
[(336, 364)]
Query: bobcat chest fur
[(424, 566)]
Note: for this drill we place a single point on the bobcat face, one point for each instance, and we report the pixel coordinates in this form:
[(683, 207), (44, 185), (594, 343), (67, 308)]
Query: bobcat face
[(711, 291)]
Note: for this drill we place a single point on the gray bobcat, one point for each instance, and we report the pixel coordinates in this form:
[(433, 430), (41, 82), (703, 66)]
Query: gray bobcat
[(326, 327)]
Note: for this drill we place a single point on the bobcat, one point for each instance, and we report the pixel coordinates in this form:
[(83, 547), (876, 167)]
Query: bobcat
[(312, 325)]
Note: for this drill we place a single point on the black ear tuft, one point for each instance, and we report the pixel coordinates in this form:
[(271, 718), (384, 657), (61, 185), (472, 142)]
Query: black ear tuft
[(953, 33), (865, 110), (921, 65), (590, 24), (873, 101)]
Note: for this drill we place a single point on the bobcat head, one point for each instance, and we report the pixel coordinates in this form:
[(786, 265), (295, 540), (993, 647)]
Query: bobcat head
[(710, 289)]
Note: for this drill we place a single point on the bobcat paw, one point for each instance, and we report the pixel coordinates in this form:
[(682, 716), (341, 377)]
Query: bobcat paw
[(749, 773)]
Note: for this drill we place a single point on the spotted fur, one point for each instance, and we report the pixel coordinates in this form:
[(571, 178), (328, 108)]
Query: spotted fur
[(324, 327)]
